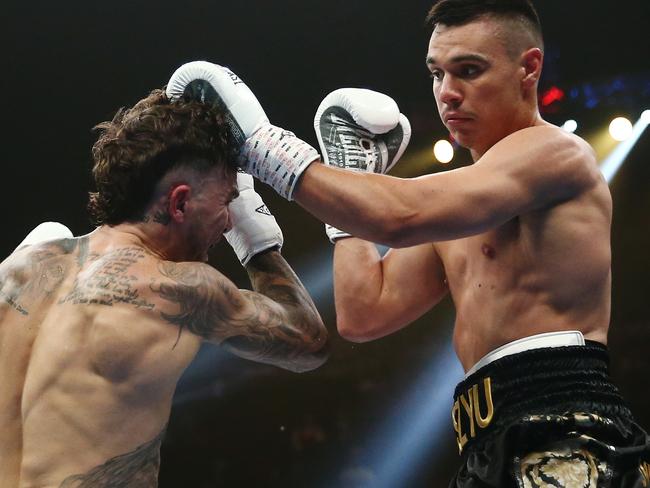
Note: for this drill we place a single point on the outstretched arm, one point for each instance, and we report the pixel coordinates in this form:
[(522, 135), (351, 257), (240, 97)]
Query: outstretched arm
[(529, 169), (277, 323)]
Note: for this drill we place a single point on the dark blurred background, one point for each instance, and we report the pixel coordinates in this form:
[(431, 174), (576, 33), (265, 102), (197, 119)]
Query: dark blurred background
[(377, 414)]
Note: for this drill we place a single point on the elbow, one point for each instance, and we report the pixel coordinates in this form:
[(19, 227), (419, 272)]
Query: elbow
[(314, 354), (313, 361), (384, 229), (356, 330), (398, 232)]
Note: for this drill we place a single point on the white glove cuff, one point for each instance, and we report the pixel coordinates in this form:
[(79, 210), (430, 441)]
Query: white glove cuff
[(334, 234), (277, 157), (254, 227)]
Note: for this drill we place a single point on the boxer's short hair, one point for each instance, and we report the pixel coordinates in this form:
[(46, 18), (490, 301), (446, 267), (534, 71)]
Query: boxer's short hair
[(141, 144), (520, 14)]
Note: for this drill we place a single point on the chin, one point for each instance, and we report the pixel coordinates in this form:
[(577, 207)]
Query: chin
[(462, 140), (468, 141)]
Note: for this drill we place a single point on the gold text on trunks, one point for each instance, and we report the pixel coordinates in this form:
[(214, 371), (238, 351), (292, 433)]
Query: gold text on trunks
[(467, 411)]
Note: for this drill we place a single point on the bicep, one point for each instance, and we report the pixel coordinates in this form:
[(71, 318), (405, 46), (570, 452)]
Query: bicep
[(206, 303), (261, 330)]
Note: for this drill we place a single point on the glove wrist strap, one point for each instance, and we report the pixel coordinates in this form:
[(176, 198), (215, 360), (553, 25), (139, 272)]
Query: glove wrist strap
[(335, 234), (277, 157)]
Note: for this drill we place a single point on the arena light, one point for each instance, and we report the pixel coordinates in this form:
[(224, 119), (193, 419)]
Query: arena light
[(443, 151), (645, 117), (553, 94), (620, 129), (570, 125), (610, 166)]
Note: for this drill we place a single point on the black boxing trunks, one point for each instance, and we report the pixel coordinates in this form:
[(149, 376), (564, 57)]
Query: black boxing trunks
[(547, 417)]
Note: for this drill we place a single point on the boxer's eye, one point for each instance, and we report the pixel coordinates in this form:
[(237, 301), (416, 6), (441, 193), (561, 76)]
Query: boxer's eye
[(436, 74), (469, 71)]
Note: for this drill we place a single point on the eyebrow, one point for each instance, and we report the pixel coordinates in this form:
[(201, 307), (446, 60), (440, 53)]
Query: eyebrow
[(461, 59)]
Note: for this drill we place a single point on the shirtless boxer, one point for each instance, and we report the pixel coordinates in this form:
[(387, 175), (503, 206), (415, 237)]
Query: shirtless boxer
[(520, 239), (95, 331)]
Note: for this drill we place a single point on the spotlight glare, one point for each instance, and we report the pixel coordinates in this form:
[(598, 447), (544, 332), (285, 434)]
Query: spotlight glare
[(620, 128), (614, 161), (645, 117), (443, 151), (570, 125)]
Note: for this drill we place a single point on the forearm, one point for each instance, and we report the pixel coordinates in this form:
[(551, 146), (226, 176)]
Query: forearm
[(376, 296), (372, 207), (406, 212), (272, 277), (358, 281)]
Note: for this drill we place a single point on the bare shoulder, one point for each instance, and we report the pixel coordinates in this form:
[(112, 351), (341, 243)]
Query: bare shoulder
[(117, 276), (546, 159), (35, 272), (551, 144)]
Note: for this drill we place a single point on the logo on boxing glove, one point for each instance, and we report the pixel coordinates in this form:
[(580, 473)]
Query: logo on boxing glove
[(235, 79), (263, 209)]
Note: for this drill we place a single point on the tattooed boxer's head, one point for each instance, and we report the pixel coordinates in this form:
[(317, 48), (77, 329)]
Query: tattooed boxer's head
[(144, 143)]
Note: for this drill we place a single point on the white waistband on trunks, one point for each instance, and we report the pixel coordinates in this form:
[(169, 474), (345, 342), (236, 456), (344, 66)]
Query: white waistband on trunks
[(548, 339)]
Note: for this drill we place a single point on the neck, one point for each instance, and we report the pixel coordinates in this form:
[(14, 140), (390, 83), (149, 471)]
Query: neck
[(529, 118), (154, 237)]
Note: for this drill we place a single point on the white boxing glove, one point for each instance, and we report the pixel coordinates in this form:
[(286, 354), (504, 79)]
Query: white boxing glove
[(360, 130), (271, 154), (254, 228), (46, 231)]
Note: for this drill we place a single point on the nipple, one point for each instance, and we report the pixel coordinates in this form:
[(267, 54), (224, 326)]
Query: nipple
[(488, 251)]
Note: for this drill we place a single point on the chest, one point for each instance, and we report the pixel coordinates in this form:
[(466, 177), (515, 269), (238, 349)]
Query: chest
[(488, 251)]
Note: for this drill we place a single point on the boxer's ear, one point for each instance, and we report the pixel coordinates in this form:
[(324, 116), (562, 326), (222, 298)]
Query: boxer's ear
[(531, 62), (176, 205)]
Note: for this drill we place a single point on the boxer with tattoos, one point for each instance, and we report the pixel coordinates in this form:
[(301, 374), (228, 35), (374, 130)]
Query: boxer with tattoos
[(95, 331)]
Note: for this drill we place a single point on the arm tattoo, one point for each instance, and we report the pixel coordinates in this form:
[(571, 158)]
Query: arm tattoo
[(272, 276), (247, 323), (136, 469), (199, 296), (208, 305), (111, 281)]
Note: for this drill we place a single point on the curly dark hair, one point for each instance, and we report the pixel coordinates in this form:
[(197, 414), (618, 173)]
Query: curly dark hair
[(136, 149)]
